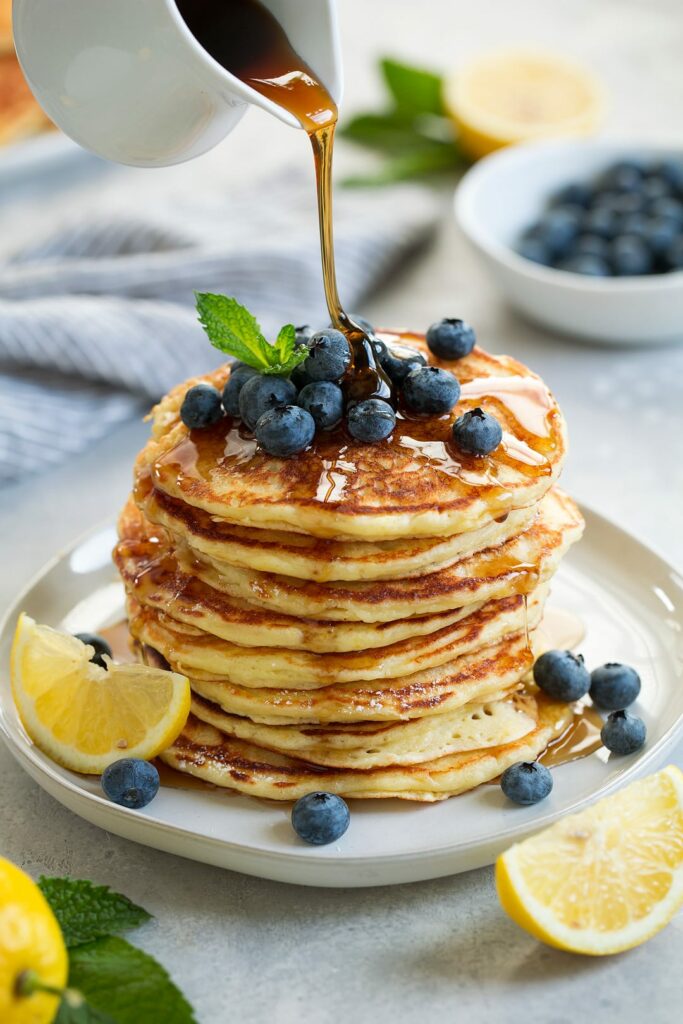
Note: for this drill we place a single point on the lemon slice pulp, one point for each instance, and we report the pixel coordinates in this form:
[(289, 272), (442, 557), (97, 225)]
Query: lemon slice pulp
[(603, 880), (516, 95), (84, 716)]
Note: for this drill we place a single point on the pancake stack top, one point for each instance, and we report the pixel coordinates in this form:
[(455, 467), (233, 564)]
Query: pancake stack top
[(358, 618)]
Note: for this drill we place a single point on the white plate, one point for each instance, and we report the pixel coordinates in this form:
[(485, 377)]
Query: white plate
[(631, 602)]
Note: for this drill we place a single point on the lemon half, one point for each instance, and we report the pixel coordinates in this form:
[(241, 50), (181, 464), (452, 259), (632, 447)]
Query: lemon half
[(513, 96), (603, 880), (84, 716)]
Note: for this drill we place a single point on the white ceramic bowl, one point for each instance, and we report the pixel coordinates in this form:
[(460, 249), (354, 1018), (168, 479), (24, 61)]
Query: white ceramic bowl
[(505, 193)]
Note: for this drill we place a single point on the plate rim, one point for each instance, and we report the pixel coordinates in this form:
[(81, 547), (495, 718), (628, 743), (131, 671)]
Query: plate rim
[(340, 869)]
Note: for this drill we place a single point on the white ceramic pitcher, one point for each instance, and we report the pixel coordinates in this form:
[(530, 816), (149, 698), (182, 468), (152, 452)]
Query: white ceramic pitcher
[(128, 80)]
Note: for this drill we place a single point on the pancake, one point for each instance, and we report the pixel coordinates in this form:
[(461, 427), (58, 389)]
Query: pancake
[(20, 115), (473, 677), (6, 44), (513, 567), (414, 484), (152, 575), (310, 558), (207, 753), (371, 745), (199, 654)]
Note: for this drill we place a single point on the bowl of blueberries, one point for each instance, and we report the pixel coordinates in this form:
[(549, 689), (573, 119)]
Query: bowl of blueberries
[(583, 236)]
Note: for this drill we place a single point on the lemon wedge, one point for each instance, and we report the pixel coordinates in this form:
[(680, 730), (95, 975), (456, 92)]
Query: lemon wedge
[(31, 948), (84, 716), (513, 96), (603, 880)]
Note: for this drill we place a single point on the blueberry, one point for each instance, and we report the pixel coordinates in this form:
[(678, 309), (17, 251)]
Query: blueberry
[(625, 204), (262, 393), (635, 224), (284, 431), (360, 321), (477, 432), (526, 782), (624, 176), (623, 733), (673, 257), (577, 193), (329, 357), (430, 390), (614, 686), (671, 172), (398, 367), (660, 234), (303, 334), (630, 256), (590, 245), (371, 420), (600, 221), (559, 227), (99, 643), (589, 266), (130, 782), (451, 339), (668, 209), (656, 187), (240, 373), (202, 406), (562, 675), (299, 377), (320, 818), (533, 248), (325, 402)]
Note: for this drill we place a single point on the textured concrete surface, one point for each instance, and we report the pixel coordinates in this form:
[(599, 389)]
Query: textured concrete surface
[(256, 951)]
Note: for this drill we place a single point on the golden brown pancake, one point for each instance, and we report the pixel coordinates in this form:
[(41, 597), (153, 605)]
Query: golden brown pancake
[(6, 43), (206, 753), (414, 484)]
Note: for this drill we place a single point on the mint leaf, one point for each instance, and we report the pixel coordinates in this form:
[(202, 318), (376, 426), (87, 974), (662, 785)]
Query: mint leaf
[(424, 161), (120, 980), (73, 1009), (86, 911), (232, 329), (389, 131), (414, 90)]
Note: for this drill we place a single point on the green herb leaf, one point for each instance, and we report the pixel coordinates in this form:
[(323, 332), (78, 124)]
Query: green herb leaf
[(232, 329), (422, 162), (414, 90), (86, 911), (73, 1009), (388, 131), (118, 979)]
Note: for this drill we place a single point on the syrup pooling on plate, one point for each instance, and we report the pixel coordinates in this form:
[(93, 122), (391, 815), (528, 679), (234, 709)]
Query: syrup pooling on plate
[(245, 38)]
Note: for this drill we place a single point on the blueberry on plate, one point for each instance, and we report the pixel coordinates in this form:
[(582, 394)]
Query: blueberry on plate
[(325, 402), (590, 266), (526, 782), (614, 686), (240, 373), (299, 377), (130, 782), (360, 321), (533, 248), (451, 338), (429, 390), (320, 818), (329, 355), (99, 643), (623, 733), (264, 392), (303, 334), (477, 432), (284, 431), (562, 675), (629, 256), (398, 367), (202, 406), (577, 193), (370, 421)]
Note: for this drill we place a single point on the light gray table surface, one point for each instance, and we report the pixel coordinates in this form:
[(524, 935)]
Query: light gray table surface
[(254, 951)]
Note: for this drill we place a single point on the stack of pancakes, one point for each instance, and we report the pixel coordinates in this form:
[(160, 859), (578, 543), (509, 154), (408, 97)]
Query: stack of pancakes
[(358, 618), (20, 115)]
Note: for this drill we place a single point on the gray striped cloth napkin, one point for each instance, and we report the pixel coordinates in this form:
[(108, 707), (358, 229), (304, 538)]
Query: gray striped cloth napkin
[(97, 318)]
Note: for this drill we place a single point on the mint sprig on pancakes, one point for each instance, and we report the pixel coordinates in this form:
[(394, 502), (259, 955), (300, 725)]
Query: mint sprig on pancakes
[(232, 329)]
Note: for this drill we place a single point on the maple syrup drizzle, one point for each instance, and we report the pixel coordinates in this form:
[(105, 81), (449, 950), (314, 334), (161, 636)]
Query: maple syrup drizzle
[(245, 38)]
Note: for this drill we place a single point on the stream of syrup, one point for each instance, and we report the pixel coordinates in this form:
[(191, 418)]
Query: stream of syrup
[(245, 38)]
